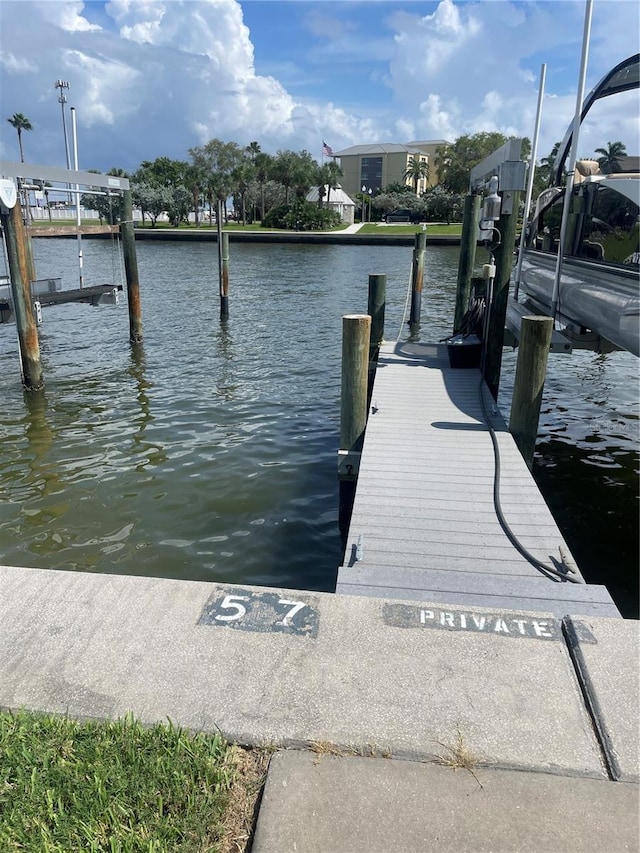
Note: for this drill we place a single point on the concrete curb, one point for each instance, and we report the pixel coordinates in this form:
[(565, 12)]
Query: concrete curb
[(324, 804)]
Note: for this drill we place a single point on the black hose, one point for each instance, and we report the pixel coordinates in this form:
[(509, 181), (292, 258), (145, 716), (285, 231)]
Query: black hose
[(472, 322), (535, 562)]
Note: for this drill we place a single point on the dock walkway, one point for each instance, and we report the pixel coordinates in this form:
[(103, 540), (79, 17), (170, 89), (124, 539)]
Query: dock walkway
[(424, 524)]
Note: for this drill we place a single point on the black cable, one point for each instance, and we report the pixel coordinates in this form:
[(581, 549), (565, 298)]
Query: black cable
[(472, 322), (535, 562)]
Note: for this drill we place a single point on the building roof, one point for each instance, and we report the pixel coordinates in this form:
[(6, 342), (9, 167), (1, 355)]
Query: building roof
[(388, 148), (338, 195), (376, 148), (428, 142)]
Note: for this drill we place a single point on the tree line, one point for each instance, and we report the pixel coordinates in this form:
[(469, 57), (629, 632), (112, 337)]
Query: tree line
[(268, 188), (272, 189)]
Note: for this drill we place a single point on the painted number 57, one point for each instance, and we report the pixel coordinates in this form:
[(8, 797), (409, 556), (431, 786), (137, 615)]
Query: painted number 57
[(234, 609)]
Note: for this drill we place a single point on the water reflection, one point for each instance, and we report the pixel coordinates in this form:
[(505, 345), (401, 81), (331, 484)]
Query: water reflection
[(37, 427), (137, 371), (225, 381)]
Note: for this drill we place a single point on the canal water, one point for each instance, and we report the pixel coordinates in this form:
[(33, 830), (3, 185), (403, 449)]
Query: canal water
[(211, 453)]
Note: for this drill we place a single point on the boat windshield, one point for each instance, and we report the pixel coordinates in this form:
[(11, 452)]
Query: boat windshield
[(604, 223), (623, 78)]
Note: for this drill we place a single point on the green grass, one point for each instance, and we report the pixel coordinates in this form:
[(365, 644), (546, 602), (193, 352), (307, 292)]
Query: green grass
[(116, 786), (435, 229)]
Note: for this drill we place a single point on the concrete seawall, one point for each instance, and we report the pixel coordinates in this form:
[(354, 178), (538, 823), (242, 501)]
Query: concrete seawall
[(266, 237), (291, 668)]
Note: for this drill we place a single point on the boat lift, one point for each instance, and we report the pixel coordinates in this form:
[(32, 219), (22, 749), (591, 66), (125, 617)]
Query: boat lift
[(24, 295), (49, 291)]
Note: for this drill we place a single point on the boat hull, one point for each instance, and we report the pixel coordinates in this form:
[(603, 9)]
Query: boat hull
[(604, 299)]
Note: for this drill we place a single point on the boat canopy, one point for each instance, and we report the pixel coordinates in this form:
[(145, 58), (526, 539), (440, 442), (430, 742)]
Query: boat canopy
[(622, 78)]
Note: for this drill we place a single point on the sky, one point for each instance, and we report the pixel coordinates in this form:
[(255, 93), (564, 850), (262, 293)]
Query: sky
[(151, 78)]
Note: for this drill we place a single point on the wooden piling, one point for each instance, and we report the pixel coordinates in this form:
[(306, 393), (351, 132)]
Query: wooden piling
[(467, 257), (376, 309), (20, 273), (223, 263), (224, 286), (356, 335), (531, 368), (498, 310), (127, 236), (417, 279)]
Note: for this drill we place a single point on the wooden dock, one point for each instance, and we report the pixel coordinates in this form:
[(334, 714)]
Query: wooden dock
[(424, 524)]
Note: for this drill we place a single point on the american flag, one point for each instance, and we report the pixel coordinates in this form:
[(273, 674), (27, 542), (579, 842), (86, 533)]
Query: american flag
[(326, 150)]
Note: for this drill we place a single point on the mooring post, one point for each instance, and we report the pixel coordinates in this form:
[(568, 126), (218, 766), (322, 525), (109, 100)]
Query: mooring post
[(223, 270), (28, 243), (467, 257), (531, 368), (503, 255), (20, 273), (417, 279), (376, 308), (128, 238), (356, 334), (224, 283)]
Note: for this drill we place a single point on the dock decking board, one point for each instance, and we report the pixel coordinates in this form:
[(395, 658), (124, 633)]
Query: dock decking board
[(424, 508)]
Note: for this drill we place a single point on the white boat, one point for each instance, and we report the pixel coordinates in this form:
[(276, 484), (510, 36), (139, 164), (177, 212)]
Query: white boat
[(599, 287)]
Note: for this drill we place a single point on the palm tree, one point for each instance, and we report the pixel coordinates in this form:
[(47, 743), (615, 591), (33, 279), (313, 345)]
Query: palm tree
[(335, 173), (20, 123), (609, 160), (322, 178), (193, 181), (241, 176), (417, 168), (263, 164), (253, 149)]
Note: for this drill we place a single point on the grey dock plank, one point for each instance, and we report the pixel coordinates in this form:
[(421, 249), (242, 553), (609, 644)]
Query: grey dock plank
[(480, 589), (424, 505)]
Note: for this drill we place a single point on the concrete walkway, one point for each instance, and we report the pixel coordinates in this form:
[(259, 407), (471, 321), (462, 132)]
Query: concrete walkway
[(326, 804), (496, 691), (350, 229)]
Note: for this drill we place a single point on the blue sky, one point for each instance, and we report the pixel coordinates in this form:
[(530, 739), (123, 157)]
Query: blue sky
[(157, 77)]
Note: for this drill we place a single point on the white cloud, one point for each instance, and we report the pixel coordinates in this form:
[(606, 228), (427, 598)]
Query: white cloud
[(439, 122), (67, 15), (161, 76), (474, 66), (17, 64)]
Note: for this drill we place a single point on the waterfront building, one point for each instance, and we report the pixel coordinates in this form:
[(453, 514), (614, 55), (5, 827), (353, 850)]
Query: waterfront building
[(380, 164)]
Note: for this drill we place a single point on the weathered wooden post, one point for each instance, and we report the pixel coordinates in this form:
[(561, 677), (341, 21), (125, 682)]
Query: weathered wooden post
[(356, 334), (531, 368), (467, 258), (500, 291), (417, 279), (20, 273), (224, 289), (223, 263), (376, 308), (128, 238)]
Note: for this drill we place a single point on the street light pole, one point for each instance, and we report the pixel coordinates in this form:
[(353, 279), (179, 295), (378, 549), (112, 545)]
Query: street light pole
[(62, 100), (364, 201)]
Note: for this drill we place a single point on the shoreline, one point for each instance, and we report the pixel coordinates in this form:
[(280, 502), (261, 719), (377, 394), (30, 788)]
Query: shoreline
[(295, 237)]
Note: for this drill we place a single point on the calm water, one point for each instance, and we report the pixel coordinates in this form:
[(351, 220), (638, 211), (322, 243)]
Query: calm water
[(211, 454)]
